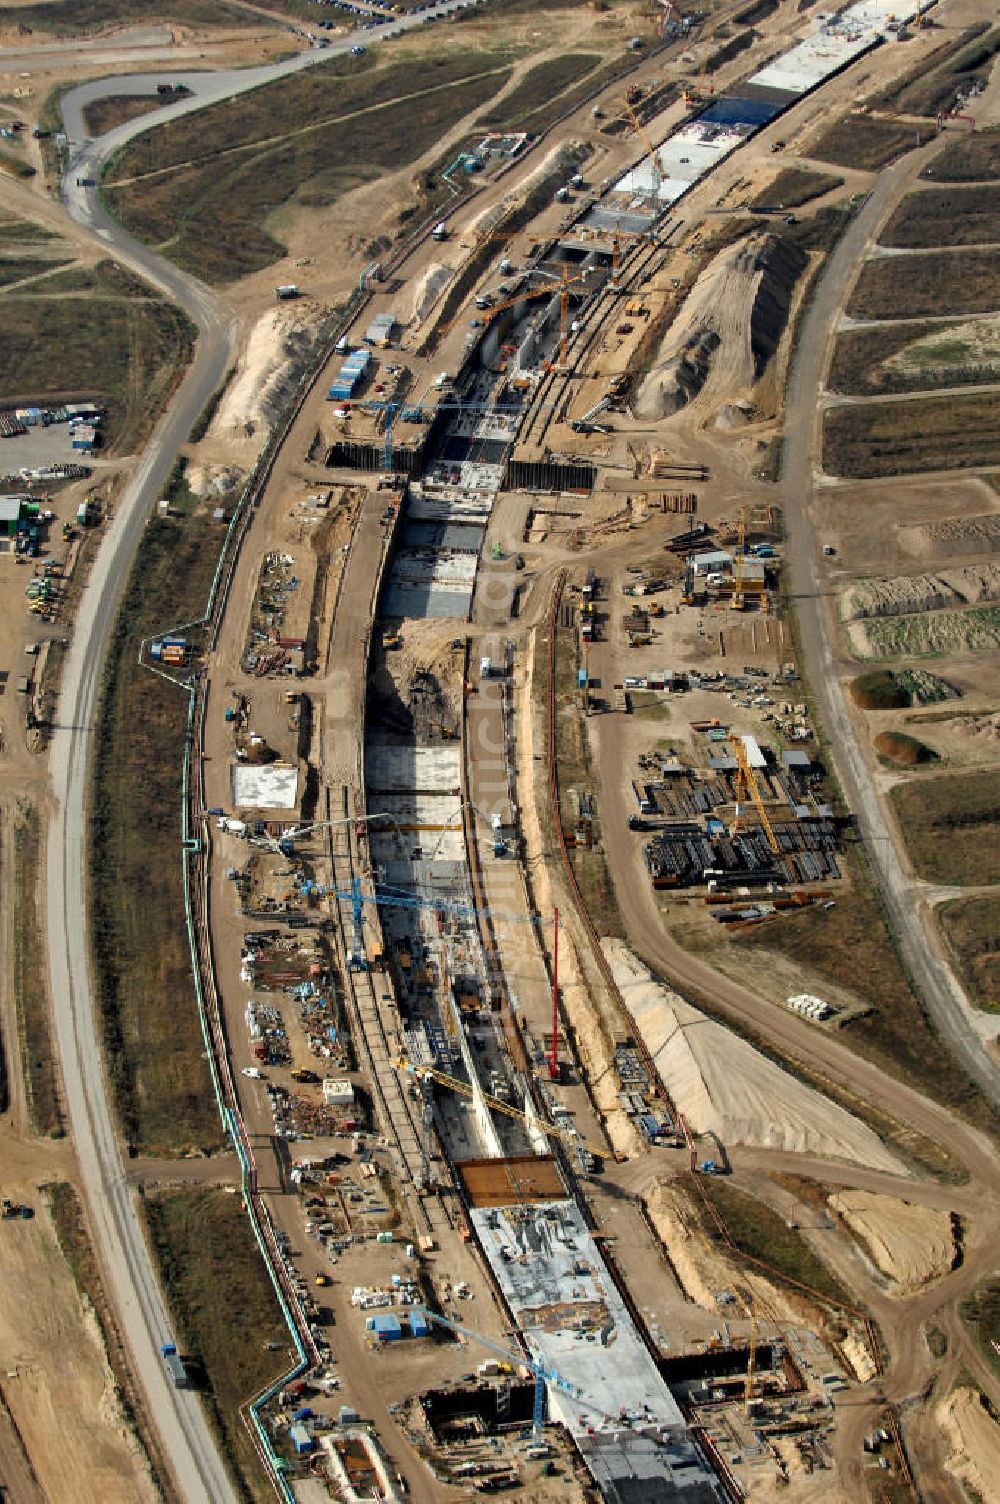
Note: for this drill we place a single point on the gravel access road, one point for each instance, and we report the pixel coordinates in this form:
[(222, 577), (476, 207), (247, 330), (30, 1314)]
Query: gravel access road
[(933, 978)]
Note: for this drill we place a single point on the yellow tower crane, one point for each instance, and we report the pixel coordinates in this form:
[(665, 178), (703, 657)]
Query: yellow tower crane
[(746, 783), (429, 1073), (641, 131)]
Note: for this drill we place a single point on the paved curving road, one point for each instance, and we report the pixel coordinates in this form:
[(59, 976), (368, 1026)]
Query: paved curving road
[(178, 1416), (935, 982)]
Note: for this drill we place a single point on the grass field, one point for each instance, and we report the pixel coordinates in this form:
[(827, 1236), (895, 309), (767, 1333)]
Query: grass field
[(225, 1309), (794, 186), (850, 946), (972, 928), (951, 827), (981, 1314), (936, 433), (912, 357), (969, 158), (142, 965), (305, 142), (945, 216), (104, 114), (762, 1234), (934, 84), (29, 972), (126, 353), (963, 282), (865, 144)]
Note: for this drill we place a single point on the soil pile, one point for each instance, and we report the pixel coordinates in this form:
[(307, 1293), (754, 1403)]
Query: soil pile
[(975, 1441), (728, 328), (910, 1244), (903, 749), (724, 1086), (953, 535), (901, 595), (429, 288), (280, 346), (926, 634)]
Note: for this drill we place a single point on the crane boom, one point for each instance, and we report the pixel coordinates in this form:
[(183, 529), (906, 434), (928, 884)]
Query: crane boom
[(748, 783), (543, 1374), (431, 1073)]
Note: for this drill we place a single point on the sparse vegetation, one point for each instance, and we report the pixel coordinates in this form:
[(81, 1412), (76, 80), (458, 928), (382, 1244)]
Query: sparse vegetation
[(863, 143), (16, 268), (126, 353), (794, 186), (850, 945), (576, 779), (909, 357), (971, 158), (761, 1233), (288, 143), (929, 633), (952, 827), (104, 114), (934, 85), (142, 967), (901, 748), (972, 928), (225, 1309), (936, 433), (31, 995), (67, 18), (15, 167), (945, 216), (981, 1314), (933, 284), (539, 91)]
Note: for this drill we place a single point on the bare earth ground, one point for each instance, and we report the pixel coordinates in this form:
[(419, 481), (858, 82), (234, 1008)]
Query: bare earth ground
[(56, 1380)]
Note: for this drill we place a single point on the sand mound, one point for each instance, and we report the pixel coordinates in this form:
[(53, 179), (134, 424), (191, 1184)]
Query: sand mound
[(213, 480), (429, 288), (733, 415), (723, 1085), (728, 328), (975, 1438), (910, 1244), (280, 344), (952, 535), (899, 595)]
